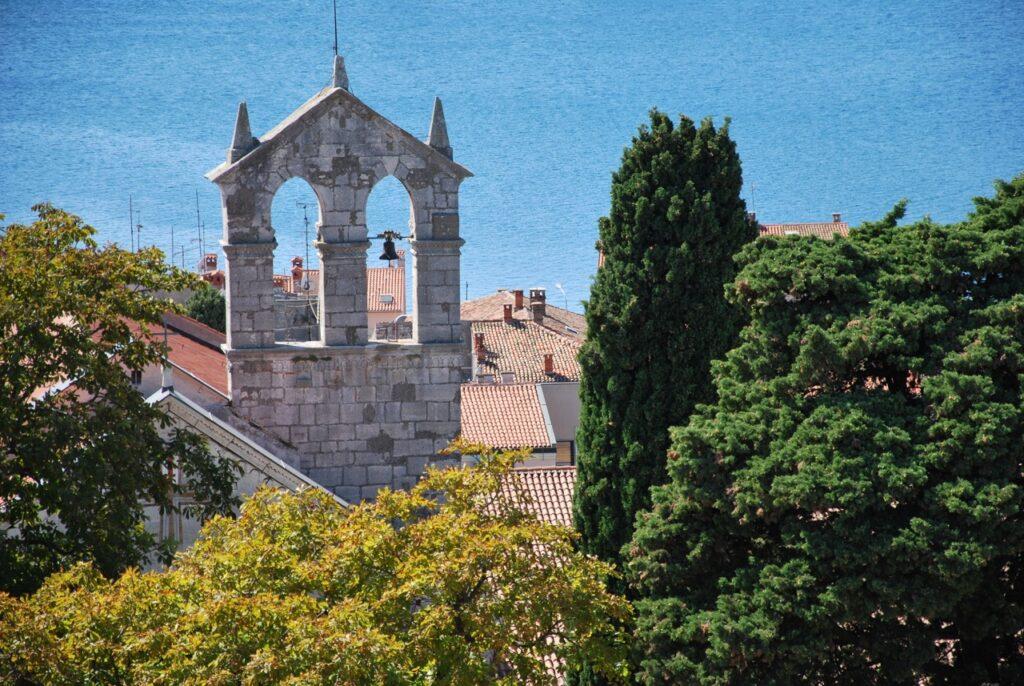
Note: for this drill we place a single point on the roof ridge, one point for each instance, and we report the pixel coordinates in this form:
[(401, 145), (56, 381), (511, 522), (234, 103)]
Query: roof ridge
[(188, 334), (545, 468)]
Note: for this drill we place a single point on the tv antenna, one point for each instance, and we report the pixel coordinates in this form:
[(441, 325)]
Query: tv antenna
[(199, 227), (131, 222), (138, 230), (305, 221)]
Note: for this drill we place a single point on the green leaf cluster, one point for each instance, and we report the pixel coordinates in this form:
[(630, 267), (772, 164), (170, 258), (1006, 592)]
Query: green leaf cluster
[(451, 583), (207, 305), (77, 463), (656, 317), (851, 508)]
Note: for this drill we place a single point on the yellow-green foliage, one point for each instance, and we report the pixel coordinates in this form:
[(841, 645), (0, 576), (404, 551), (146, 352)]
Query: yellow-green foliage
[(440, 585)]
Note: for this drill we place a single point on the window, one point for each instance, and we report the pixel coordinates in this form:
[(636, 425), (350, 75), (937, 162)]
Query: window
[(136, 376), (386, 298), (508, 377)]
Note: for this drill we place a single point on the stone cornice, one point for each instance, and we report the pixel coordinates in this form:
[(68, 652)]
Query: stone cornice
[(248, 249), (429, 246), (342, 249)]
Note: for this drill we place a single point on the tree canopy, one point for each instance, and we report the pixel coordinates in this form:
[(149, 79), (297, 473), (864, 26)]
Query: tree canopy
[(207, 305), (851, 509), (451, 583), (656, 317), (80, 449)]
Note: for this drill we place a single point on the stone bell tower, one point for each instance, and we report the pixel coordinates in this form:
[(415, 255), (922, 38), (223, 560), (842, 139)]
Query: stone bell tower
[(363, 414)]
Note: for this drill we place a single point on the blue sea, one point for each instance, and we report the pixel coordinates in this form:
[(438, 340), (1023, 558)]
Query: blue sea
[(835, 107)]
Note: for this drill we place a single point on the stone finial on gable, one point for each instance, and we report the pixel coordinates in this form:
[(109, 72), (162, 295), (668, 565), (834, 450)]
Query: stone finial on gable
[(340, 79), (243, 141), (438, 137)]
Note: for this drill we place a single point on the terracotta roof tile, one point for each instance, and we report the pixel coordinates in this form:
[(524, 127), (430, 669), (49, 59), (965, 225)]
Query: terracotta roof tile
[(543, 491), (824, 230), (504, 416), (491, 308), (194, 348), (519, 347), (385, 281), (380, 281)]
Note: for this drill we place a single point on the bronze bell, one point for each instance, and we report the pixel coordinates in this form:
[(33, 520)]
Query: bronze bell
[(389, 249)]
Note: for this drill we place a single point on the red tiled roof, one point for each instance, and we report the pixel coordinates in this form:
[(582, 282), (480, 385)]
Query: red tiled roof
[(491, 308), (194, 348), (825, 230), (545, 492), (519, 347), (381, 281), (290, 284), (504, 416)]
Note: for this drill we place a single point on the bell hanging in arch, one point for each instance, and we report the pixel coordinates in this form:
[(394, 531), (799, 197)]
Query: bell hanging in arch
[(389, 253)]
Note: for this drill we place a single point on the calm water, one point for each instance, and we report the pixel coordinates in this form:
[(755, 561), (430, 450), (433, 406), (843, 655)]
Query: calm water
[(844, 106)]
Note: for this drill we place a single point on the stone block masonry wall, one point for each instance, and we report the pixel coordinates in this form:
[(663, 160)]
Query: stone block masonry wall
[(361, 417)]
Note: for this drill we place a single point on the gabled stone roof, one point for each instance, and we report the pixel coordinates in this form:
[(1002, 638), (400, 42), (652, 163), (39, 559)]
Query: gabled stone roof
[(519, 347), (315, 107), (505, 416)]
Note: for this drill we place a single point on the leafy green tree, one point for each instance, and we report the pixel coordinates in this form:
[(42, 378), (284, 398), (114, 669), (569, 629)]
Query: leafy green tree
[(851, 509), (79, 446), (207, 305), (656, 317), (450, 584)]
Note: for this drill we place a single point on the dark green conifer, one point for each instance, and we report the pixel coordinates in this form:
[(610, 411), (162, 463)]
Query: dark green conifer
[(656, 317), (849, 511)]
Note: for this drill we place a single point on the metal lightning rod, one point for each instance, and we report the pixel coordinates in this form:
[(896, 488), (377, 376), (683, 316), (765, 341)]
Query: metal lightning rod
[(335, 27)]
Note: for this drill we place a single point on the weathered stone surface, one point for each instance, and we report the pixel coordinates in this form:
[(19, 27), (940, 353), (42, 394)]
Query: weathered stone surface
[(360, 415)]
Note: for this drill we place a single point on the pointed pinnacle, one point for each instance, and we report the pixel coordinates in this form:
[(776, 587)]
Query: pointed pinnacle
[(242, 142), (438, 136), (340, 75)]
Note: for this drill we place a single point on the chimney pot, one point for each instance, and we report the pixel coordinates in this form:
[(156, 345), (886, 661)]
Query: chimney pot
[(508, 313), (519, 299), (549, 363), (836, 217), (537, 305)]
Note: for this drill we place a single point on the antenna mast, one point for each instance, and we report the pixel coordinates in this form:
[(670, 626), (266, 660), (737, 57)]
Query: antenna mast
[(305, 265), (335, 27), (131, 222), (199, 229)]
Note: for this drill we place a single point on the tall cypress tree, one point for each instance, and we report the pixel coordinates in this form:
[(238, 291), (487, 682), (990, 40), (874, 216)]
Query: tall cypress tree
[(657, 316)]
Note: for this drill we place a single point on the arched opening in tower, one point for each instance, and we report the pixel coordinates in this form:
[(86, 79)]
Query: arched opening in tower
[(294, 214), (389, 281)]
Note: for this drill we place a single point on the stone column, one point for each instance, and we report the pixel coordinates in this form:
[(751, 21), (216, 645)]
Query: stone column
[(436, 284), (250, 294), (343, 292)]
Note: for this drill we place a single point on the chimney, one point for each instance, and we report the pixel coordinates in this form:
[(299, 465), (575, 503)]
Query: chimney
[(519, 298), (549, 363), (537, 299), (752, 217), (478, 347), (296, 270), (836, 217), (508, 314)]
